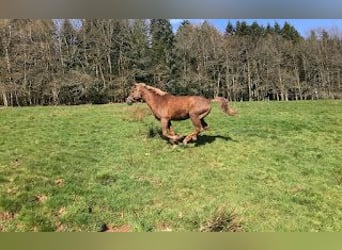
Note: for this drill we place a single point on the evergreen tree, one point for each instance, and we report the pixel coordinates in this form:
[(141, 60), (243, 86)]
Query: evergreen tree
[(230, 30), (269, 30), (290, 33), (184, 23), (140, 51), (121, 57), (162, 50), (256, 30), (242, 29), (277, 29), (186, 40), (68, 45)]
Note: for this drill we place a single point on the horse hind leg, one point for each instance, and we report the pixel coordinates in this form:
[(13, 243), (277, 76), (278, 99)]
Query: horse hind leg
[(204, 124), (202, 116), (199, 123), (196, 121)]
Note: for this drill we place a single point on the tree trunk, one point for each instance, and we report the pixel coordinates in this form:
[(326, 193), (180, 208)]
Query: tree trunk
[(281, 87), (4, 96), (299, 89), (8, 66), (216, 92), (249, 80)]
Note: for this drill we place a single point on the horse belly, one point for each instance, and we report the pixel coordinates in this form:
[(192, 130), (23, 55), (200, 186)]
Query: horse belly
[(180, 117), (179, 114), (179, 107)]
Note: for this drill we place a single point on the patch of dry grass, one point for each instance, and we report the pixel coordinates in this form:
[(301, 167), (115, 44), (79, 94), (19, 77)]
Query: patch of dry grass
[(222, 220)]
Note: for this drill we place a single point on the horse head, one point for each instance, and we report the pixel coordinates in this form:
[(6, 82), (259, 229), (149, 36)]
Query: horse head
[(135, 94)]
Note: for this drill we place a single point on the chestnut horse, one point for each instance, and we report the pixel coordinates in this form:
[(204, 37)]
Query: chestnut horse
[(166, 107)]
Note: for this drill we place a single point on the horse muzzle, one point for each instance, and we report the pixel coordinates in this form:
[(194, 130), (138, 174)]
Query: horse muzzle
[(129, 100)]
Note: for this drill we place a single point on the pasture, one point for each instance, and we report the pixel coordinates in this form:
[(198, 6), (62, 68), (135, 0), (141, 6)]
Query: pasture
[(275, 167)]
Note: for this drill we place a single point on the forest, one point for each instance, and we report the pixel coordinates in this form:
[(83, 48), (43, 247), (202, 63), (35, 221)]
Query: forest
[(64, 62)]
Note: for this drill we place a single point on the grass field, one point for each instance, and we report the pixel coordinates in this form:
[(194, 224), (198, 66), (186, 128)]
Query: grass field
[(276, 167)]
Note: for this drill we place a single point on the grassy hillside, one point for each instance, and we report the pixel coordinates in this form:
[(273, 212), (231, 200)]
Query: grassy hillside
[(276, 167)]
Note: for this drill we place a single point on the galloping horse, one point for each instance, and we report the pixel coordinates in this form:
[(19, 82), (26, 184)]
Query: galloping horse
[(166, 107)]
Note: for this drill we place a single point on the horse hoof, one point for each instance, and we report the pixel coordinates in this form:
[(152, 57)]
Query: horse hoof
[(173, 142), (176, 138)]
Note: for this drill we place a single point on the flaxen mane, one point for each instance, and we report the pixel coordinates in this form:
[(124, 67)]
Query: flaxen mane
[(155, 90)]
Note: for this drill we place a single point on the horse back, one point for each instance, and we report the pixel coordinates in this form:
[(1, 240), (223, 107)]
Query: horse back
[(180, 107)]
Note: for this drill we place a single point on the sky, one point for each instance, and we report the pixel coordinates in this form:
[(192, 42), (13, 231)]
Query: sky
[(303, 26)]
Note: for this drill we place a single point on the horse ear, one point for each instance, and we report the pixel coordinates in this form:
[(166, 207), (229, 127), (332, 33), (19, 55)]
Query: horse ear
[(135, 85)]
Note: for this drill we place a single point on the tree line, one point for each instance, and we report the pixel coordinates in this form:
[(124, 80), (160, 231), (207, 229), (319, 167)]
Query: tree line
[(51, 62)]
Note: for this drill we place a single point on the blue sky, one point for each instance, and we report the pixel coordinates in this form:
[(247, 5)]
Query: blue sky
[(303, 26)]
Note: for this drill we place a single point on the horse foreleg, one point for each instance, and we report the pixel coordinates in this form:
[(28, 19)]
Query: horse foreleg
[(165, 128), (172, 131), (170, 128)]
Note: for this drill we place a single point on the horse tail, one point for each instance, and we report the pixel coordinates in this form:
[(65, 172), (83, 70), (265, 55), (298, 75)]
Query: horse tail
[(224, 105)]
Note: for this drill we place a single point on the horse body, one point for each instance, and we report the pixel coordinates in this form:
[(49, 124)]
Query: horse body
[(182, 107), (167, 107)]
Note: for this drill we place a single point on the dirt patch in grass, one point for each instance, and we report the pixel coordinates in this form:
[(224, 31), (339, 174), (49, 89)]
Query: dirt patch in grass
[(125, 228), (6, 217), (59, 182), (163, 227), (60, 227), (42, 198)]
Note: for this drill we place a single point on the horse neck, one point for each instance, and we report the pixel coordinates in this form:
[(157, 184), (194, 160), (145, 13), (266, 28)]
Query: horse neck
[(152, 99)]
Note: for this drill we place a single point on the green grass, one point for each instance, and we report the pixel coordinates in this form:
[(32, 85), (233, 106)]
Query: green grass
[(276, 167)]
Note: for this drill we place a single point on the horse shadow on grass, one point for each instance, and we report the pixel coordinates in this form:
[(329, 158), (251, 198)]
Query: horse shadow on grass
[(208, 139), (202, 139)]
